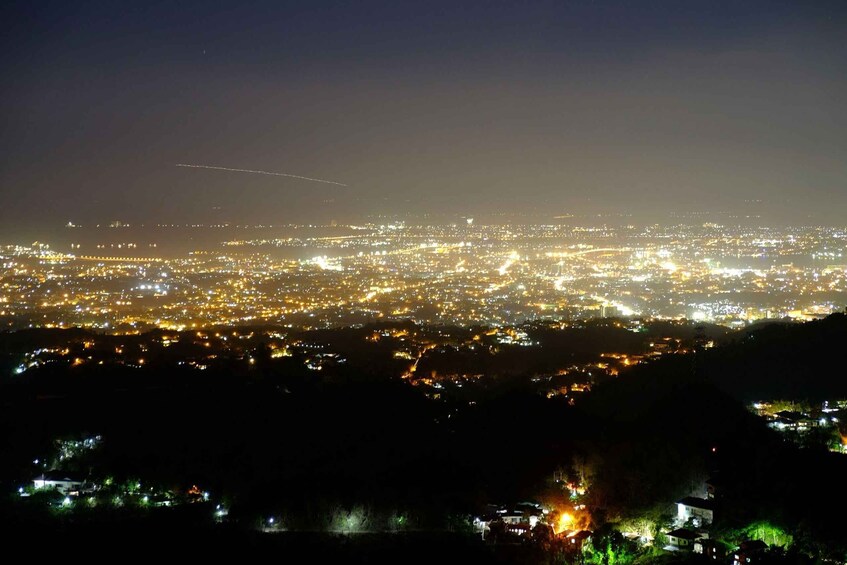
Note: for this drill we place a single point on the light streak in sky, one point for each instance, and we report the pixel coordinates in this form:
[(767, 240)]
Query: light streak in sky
[(258, 173)]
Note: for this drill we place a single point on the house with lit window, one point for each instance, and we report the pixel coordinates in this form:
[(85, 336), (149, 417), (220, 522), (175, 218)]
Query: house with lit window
[(751, 551), (701, 511), (681, 539), (519, 519), (577, 538), (708, 548), (63, 482)]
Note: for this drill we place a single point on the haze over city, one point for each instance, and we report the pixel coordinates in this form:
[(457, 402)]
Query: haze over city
[(478, 108)]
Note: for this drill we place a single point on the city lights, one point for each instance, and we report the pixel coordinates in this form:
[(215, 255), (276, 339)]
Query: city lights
[(457, 273)]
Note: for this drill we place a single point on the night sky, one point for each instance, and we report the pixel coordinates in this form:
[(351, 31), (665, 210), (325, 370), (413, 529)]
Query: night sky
[(446, 108)]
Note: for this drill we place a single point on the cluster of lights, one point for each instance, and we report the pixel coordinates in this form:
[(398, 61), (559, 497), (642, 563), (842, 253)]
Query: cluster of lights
[(466, 274)]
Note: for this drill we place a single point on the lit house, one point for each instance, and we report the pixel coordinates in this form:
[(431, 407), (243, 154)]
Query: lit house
[(62, 482), (578, 538), (681, 539), (700, 510), (750, 551), (708, 548)]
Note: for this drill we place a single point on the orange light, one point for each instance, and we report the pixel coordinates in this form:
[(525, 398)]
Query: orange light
[(565, 522)]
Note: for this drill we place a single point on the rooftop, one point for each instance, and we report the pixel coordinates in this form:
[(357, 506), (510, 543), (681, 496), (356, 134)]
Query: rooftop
[(684, 533), (695, 502)]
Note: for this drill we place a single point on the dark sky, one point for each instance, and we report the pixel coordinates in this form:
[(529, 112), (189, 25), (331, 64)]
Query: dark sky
[(453, 107)]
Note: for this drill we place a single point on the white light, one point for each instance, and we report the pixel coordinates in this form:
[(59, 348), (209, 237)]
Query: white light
[(669, 266)]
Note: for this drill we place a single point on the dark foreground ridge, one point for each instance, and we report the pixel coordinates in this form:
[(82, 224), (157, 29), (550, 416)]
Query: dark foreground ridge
[(400, 442)]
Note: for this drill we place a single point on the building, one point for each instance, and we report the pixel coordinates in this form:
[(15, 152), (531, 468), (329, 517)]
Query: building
[(577, 538), (681, 539), (63, 482), (520, 519), (709, 548), (700, 510), (750, 551)]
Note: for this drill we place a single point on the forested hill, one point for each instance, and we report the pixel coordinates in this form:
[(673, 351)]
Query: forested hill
[(784, 361), (776, 361)]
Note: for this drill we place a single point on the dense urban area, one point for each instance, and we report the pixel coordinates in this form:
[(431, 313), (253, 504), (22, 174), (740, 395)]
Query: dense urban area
[(124, 278)]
